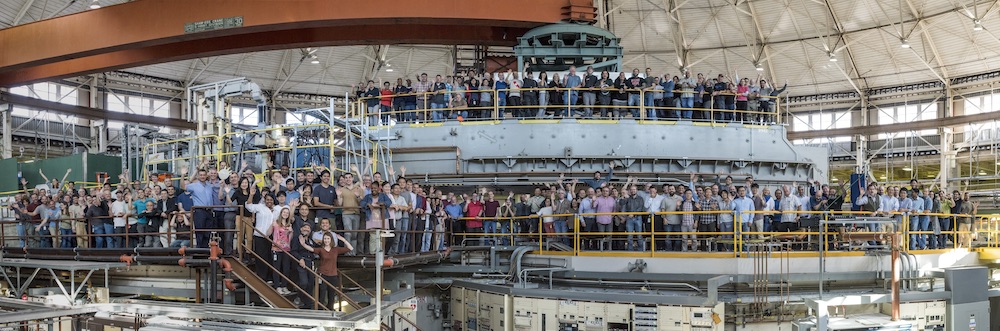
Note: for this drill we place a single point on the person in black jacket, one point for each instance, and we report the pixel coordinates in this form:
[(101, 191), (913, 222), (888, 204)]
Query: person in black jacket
[(167, 206), (97, 215), (153, 221), (305, 259)]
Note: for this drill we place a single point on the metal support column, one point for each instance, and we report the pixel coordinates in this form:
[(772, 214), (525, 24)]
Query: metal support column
[(7, 148), (947, 152)]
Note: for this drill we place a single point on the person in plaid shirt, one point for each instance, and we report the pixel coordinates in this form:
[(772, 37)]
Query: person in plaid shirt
[(688, 205), (708, 222)]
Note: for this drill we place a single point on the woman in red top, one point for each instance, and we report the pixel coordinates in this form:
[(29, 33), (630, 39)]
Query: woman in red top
[(386, 103), (328, 254)]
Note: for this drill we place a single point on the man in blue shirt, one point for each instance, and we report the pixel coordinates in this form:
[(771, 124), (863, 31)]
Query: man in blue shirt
[(202, 193), (571, 81), (743, 205)]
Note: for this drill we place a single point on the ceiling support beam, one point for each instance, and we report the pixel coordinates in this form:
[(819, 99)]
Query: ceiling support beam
[(926, 35), (93, 113), (872, 129), (22, 12)]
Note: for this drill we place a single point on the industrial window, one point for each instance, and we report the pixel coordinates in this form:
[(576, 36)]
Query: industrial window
[(906, 114), (822, 121), (243, 115), (138, 105), (294, 119), (49, 92)]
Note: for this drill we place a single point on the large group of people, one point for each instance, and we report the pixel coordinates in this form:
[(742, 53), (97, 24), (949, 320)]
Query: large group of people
[(585, 95), (291, 222)]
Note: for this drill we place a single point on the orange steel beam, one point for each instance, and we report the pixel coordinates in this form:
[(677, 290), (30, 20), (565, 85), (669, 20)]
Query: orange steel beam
[(146, 32)]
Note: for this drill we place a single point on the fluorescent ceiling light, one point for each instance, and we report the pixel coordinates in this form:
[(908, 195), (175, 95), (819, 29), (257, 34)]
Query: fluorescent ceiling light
[(904, 43)]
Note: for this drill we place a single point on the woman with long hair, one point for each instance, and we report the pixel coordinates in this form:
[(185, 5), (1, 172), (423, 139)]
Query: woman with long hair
[(280, 233), (244, 217), (328, 254)]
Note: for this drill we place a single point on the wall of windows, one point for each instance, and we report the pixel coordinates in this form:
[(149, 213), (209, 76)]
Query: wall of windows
[(48, 92), (982, 131), (906, 114), (821, 121)]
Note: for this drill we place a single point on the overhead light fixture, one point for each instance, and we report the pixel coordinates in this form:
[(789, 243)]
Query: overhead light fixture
[(881, 177), (833, 57), (931, 176), (759, 66), (977, 25), (834, 179), (982, 172), (904, 43), (315, 59), (95, 5), (907, 169), (389, 70)]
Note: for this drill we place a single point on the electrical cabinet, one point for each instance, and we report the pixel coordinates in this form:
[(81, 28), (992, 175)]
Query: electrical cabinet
[(926, 316), (476, 310)]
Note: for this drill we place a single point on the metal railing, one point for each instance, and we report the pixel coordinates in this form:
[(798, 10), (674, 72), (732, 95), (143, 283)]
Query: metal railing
[(813, 232), (639, 105)]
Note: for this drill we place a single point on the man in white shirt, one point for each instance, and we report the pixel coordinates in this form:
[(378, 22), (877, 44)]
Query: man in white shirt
[(118, 209), (890, 205), (654, 204)]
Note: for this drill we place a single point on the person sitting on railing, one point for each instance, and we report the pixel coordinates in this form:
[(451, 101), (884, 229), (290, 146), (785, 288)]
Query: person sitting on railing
[(328, 253), (181, 224), (459, 108)]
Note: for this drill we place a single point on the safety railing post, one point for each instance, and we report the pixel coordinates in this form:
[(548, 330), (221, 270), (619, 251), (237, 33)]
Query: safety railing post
[(905, 219), (496, 104), (642, 105)]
